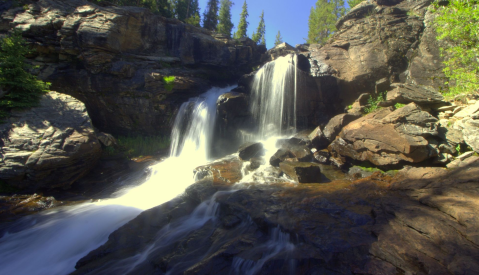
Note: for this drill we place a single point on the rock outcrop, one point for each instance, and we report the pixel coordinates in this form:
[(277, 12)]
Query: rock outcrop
[(379, 43), (422, 221), (388, 137), (115, 60), (48, 146)]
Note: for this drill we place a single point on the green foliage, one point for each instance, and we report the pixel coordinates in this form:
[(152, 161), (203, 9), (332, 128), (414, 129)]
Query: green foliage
[(243, 24), (399, 105), (22, 89), (187, 10), (373, 102), (210, 16), (225, 25), (169, 82), (259, 35), (458, 24), (322, 20), (458, 149), (139, 146), (353, 3), (194, 20), (278, 40)]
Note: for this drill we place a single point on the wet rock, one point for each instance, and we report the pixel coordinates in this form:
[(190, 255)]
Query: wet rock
[(233, 116), (280, 156), (302, 172), (48, 146), (223, 172), (318, 140), (421, 221), (250, 150), (322, 156)]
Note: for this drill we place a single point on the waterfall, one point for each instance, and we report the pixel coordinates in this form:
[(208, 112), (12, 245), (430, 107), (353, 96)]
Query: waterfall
[(273, 97), (54, 240), (193, 127)]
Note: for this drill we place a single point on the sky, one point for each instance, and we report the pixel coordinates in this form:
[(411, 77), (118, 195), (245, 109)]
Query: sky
[(288, 17)]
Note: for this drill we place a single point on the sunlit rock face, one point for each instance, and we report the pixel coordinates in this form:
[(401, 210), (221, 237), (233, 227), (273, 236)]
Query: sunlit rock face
[(388, 40), (48, 146), (114, 59)]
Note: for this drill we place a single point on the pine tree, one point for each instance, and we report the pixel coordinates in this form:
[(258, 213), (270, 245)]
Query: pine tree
[(210, 16), (322, 19), (243, 24), (225, 25), (259, 35), (21, 88), (278, 40), (353, 3)]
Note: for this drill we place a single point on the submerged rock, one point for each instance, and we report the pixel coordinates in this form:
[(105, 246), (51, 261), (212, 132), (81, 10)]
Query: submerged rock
[(48, 146)]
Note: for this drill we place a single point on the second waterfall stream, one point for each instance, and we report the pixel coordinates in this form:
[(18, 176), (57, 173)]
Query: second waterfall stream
[(53, 241)]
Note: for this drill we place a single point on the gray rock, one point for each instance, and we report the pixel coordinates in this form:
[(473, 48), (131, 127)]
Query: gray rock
[(407, 93), (48, 146)]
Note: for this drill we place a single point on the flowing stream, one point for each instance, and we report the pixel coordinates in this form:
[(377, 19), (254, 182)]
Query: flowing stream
[(56, 239)]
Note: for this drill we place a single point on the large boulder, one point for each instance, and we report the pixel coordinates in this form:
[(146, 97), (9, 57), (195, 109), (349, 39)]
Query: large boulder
[(374, 46), (389, 137), (115, 60), (421, 95), (48, 146)]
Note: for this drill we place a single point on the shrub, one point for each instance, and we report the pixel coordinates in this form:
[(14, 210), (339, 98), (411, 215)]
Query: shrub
[(22, 89), (143, 145), (373, 102), (457, 23), (399, 105), (169, 82)]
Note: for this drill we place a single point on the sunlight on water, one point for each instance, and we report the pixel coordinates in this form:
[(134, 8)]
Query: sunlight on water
[(60, 237), (273, 97)]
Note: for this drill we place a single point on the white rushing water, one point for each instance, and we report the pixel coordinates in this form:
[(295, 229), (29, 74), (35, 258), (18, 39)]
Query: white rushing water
[(273, 97), (58, 238)]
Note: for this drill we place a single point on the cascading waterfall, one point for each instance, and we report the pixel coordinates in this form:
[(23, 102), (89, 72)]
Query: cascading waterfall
[(55, 240), (273, 97), (58, 238)]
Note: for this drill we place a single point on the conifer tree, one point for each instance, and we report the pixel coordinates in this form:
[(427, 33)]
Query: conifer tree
[(210, 16), (353, 3), (259, 35), (278, 40), (322, 19), (243, 24), (225, 25)]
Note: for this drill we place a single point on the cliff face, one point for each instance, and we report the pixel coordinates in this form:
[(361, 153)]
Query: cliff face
[(379, 43), (115, 60)]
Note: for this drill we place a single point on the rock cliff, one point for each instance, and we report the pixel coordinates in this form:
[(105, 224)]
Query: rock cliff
[(114, 59)]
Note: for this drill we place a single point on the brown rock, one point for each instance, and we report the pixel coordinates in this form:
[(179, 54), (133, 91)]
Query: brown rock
[(302, 172)]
